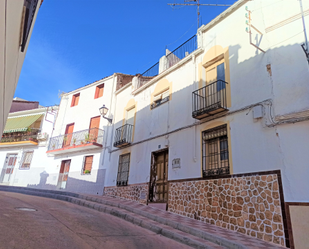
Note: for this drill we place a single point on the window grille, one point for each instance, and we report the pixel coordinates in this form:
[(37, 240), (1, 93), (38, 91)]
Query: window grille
[(123, 170), (26, 161), (215, 151)]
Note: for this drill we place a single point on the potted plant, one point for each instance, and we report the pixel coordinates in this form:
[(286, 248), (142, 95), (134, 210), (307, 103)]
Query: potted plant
[(87, 172), (87, 138), (65, 139), (74, 141)]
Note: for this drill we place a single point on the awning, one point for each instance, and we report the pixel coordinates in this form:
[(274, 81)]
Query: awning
[(20, 123)]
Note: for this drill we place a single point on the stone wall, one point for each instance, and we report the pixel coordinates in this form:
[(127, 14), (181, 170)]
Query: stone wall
[(136, 192), (249, 205)]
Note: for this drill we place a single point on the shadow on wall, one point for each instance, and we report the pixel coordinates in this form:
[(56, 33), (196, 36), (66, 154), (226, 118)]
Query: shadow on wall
[(73, 184)]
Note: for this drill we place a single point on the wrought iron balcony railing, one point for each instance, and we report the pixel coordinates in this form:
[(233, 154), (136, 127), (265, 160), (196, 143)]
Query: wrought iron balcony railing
[(209, 100), (182, 51), (93, 135), (123, 135), (31, 135)]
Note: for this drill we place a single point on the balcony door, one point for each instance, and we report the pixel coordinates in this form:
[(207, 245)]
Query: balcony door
[(64, 174), (8, 167), (215, 82), (68, 135), (94, 128), (130, 116)]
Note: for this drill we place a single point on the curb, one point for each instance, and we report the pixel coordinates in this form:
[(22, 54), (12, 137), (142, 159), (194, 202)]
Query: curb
[(90, 202)]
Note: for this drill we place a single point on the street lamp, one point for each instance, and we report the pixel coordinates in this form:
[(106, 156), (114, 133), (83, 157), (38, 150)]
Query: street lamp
[(103, 111)]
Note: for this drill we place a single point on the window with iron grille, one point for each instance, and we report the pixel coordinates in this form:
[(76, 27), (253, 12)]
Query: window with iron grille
[(26, 160), (87, 165), (123, 170), (215, 151)]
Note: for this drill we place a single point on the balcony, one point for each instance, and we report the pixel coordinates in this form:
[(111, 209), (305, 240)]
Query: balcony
[(76, 141), (29, 137), (209, 100), (123, 135)]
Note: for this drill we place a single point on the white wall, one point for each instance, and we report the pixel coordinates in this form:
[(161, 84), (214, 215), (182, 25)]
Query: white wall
[(254, 146)]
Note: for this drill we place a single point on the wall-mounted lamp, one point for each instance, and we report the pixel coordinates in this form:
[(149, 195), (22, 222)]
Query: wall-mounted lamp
[(103, 111)]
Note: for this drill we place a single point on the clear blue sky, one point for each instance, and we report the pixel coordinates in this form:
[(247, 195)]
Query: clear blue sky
[(76, 42)]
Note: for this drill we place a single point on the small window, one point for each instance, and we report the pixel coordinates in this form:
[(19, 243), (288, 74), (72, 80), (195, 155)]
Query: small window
[(75, 99), (99, 91), (160, 98), (123, 170), (26, 160), (215, 152), (87, 165)]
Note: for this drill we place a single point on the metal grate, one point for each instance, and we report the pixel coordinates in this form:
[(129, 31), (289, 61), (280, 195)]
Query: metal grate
[(182, 51), (123, 135), (123, 170), (93, 135), (209, 99), (30, 135), (152, 71), (215, 151)]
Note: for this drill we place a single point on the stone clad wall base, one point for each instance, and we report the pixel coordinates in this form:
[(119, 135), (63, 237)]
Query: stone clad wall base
[(250, 204), (136, 192)]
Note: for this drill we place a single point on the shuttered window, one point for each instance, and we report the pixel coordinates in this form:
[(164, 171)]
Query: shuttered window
[(99, 91), (87, 165), (75, 99), (26, 160), (160, 98)]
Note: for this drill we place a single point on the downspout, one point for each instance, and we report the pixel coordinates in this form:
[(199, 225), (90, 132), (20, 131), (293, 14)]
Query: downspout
[(110, 104)]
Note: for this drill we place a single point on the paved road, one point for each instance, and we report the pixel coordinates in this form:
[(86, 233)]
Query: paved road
[(57, 224)]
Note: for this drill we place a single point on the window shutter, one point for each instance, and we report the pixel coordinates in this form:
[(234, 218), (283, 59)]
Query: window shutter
[(157, 97), (165, 94), (220, 77)]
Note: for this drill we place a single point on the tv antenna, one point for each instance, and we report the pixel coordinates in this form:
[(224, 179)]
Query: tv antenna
[(198, 4)]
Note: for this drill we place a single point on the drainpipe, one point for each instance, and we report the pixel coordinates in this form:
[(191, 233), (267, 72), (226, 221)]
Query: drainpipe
[(110, 104)]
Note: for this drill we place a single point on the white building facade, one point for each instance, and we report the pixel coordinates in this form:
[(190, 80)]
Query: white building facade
[(80, 134), (23, 147), (218, 133)]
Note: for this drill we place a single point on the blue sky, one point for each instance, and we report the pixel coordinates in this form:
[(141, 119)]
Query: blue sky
[(76, 42)]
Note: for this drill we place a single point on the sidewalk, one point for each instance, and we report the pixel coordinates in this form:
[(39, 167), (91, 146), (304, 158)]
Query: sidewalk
[(186, 230)]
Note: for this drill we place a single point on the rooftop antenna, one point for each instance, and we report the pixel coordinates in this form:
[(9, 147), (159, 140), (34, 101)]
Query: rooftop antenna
[(198, 4)]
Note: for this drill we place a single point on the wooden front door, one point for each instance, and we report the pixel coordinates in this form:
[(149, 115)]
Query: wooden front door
[(94, 129), (64, 174), (68, 135), (158, 186)]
